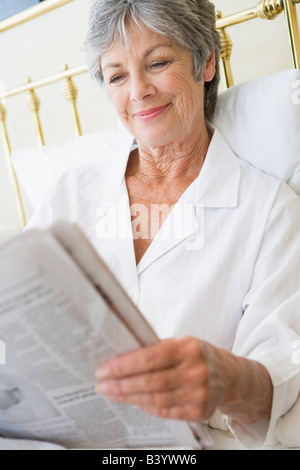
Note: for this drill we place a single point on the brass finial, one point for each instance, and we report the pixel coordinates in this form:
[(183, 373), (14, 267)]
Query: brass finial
[(3, 112), (269, 9), (71, 92), (32, 100), (226, 44), (69, 88)]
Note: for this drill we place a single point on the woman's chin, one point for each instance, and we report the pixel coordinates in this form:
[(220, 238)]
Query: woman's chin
[(153, 134), (155, 137)]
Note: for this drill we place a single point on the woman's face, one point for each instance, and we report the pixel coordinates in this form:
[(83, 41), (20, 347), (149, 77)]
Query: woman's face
[(151, 84)]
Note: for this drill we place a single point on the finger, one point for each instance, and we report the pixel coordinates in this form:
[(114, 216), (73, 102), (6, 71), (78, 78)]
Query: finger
[(160, 356), (179, 397), (153, 400), (162, 381)]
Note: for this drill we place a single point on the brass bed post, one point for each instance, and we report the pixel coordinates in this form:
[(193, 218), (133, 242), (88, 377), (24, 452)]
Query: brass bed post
[(265, 9), (11, 171), (33, 104), (71, 92), (293, 29), (226, 49)]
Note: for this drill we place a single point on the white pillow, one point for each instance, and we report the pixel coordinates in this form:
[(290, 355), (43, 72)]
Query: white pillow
[(259, 119), (39, 168)]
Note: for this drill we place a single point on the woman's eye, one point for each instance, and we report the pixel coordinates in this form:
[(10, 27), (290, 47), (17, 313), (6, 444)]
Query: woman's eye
[(116, 79), (157, 65)]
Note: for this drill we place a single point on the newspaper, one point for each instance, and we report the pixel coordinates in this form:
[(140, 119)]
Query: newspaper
[(62, 313)]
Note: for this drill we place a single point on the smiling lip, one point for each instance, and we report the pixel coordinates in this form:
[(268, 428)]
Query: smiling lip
[(150, 113)]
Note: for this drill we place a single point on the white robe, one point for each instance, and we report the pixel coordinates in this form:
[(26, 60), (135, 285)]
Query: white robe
[(225, 266)]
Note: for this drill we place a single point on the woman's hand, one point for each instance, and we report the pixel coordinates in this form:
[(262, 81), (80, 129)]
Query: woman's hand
[(184, 379)]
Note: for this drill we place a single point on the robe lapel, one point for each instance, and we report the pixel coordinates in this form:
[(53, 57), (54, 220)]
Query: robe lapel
[(114, 228), (185, 221), (216, 187), (111, 204)]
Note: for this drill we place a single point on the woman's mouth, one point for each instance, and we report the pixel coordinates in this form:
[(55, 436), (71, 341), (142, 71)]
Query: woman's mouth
[(149, 114)]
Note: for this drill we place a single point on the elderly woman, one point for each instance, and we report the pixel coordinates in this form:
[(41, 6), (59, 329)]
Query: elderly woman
[(206, 245)]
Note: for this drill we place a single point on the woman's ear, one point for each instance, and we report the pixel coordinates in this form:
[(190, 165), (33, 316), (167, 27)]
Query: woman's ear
[(210, 68)]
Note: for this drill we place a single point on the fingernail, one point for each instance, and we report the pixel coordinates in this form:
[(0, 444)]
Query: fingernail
[(102, 374)]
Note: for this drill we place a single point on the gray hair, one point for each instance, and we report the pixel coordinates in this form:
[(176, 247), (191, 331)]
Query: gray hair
[(189, 23)]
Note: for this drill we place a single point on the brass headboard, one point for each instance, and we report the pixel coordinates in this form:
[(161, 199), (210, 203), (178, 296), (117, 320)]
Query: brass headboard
[(268, 10), (265, 9)]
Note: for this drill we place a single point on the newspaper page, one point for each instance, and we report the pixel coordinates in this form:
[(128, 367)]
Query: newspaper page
[(57, 329), (84, 254)]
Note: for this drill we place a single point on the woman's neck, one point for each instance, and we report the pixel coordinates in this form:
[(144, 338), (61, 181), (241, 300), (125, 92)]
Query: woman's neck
[(162, 165)]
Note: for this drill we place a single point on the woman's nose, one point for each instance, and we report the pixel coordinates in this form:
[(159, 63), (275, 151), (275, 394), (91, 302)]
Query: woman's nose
[(141, 88)]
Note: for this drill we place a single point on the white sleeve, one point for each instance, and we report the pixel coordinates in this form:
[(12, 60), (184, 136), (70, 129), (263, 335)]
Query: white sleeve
[(269, 330)]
